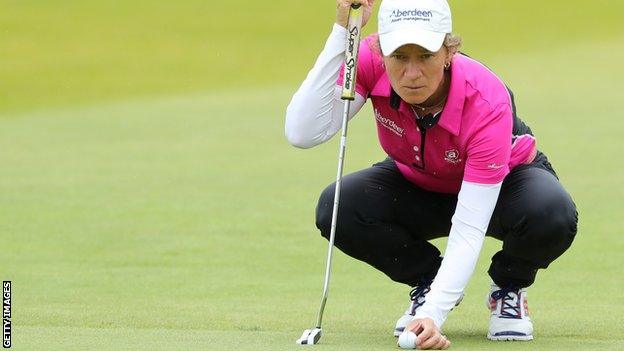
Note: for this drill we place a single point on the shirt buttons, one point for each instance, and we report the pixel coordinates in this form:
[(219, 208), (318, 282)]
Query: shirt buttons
[(416, 148), (417, 158)]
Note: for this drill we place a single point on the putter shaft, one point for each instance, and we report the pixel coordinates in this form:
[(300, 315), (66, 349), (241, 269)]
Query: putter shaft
[(332, 235)]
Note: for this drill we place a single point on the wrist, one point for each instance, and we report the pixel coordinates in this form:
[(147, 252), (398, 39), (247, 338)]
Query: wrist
[(424, 315), (339, 29)]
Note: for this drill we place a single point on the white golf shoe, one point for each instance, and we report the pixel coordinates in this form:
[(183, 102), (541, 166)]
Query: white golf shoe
[(417, 299), (509, 317)]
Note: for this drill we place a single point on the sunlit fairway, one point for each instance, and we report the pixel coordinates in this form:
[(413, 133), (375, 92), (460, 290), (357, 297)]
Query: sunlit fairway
[(149, 201)]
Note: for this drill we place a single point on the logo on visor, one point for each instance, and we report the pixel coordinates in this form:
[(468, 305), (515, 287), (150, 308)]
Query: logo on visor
[(410, 15), (452, 156)]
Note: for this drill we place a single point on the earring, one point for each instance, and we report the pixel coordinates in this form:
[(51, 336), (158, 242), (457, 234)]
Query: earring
[(447, 65)]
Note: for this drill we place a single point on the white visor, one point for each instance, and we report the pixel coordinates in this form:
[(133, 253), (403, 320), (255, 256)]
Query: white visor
[(429, 40), (421, 22)]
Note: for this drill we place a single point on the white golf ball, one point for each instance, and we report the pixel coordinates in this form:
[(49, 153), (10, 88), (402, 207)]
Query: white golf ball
[(407, 340)]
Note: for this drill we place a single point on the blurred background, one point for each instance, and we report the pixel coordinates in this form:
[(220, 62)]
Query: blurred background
[(148, 198)]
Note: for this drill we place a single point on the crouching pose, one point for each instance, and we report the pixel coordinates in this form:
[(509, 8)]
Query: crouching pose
[(460, 164)]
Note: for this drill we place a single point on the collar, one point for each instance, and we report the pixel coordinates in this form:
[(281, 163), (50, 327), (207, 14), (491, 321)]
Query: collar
[(451, 114)]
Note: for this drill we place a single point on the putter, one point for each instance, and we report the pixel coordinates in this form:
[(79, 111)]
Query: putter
[(312, 336)]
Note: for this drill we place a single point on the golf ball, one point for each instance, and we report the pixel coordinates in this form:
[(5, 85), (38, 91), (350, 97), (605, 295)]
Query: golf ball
[(407, 340)]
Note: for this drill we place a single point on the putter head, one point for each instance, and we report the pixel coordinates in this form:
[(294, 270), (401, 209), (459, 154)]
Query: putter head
[(310, 337)]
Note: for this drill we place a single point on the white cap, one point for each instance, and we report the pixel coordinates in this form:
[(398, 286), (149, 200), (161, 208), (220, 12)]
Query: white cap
[(420, 22)]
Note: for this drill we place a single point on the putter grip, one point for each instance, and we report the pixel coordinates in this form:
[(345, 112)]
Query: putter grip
[(352, 48)]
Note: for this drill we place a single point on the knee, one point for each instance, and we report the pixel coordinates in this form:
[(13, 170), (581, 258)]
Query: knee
[(324, 210), (555, 217), (549, 227)]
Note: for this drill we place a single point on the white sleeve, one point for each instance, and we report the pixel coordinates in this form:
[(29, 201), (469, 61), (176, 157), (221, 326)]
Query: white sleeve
[(315, 112), (475, 205)]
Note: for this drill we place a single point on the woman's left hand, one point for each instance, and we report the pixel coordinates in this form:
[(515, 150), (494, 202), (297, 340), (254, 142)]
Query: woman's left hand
[(343, 7), (428, 335)]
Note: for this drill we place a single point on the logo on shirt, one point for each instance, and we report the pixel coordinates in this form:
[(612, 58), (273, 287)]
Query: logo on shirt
[(452, 156), (388, 124)]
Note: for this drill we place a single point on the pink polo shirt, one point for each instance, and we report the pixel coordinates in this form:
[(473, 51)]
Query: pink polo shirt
[(472, 140)]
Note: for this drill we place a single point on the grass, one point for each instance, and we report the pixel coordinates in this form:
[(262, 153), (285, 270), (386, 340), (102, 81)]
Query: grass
[(70, 52), (146, 207)]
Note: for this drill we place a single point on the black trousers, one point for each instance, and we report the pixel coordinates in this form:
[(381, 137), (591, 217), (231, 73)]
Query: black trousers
[(386, 221)]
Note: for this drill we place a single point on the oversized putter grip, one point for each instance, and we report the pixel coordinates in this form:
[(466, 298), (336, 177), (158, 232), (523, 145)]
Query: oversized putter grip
[(353, 44)]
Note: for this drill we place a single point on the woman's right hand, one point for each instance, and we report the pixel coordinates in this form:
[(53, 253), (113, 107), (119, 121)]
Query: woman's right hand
[(342, 11), (428, 334)]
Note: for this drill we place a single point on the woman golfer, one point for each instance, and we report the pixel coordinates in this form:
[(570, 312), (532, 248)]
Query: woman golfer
[(460, 164)]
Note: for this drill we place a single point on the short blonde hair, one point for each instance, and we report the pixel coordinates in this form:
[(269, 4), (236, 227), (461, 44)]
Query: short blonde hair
[(451, 41)]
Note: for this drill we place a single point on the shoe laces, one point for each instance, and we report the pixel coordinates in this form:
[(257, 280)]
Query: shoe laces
[(417, 295), (510, 302)]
